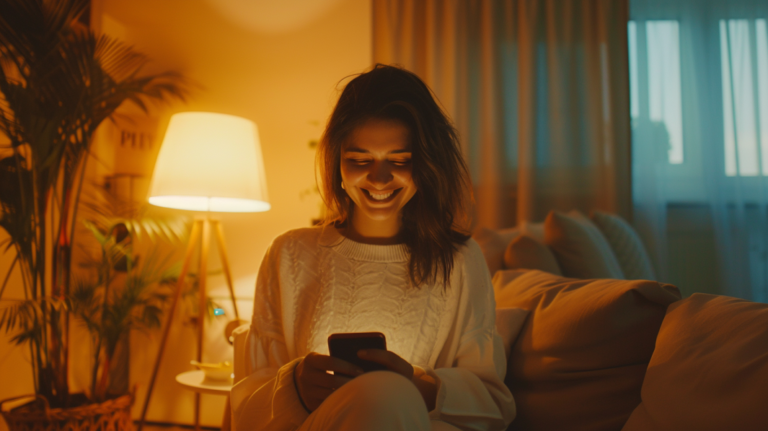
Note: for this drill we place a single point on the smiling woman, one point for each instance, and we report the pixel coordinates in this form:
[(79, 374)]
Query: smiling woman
[(391, 104), (393, 259), (377, 175)]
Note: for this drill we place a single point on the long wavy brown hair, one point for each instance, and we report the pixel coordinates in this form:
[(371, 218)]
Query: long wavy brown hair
[(435, 221)]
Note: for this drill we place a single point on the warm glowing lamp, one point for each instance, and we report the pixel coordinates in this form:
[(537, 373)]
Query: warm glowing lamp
[(208, 162)]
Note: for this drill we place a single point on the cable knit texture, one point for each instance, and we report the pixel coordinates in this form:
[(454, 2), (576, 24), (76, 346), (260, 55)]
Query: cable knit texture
[(314, 282)]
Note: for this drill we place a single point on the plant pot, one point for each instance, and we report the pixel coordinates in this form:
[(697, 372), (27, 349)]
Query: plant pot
[(110, 415)]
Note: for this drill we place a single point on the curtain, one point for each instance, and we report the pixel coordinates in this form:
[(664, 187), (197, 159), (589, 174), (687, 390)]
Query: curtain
[(538, 90), (699, 107)]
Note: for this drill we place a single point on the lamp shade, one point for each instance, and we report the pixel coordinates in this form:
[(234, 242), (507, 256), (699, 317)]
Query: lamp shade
[(210, 162)]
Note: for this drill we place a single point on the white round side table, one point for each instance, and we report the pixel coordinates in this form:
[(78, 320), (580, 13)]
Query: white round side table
[(196, 381)]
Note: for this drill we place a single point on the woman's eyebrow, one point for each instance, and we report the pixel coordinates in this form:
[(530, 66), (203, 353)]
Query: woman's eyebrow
[(355, 150), (362, 150)]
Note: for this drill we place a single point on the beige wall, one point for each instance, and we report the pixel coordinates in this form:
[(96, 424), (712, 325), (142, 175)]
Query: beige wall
[(276, 63)]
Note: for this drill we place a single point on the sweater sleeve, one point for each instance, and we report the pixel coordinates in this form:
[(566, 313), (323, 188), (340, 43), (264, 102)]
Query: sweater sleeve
[(471, 393), (264, 397)]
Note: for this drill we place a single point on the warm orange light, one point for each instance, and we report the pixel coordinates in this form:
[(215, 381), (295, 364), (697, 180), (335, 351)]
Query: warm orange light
[(210, 162)]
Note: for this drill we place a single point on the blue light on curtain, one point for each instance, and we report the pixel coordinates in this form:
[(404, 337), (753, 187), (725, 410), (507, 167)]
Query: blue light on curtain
[(699, 106)]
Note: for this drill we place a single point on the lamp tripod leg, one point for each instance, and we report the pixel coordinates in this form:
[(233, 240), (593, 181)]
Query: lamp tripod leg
[(203, 304), (225, 265), (193, 237)]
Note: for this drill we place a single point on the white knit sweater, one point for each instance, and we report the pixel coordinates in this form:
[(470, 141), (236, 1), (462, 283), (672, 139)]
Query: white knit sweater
[(314, 282)]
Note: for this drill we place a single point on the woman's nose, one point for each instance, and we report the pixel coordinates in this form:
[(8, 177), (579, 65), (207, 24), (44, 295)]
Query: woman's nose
[(380, 173)]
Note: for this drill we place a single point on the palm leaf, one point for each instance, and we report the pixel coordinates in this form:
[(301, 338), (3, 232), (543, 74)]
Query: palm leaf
[(25, 314), (105, 211), (138, 304), (85, 299)]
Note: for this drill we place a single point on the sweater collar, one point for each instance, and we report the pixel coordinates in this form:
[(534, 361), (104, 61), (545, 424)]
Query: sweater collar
[(330, 237)]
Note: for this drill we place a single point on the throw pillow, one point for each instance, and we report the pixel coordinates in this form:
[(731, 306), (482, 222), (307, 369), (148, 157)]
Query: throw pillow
[(534, 230), (493, 243), (580, 359), (580, 248), (525, 252), (709, 370), (509, 321), (626, 245)]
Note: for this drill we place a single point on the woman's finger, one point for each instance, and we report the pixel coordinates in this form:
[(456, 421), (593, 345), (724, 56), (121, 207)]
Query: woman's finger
[(314, 381), (325, 380), (335, 365), (316, 384)]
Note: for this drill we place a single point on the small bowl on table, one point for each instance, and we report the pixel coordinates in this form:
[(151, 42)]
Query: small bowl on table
[(218, 372)]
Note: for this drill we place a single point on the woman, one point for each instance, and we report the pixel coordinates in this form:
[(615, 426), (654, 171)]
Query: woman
[(393, 259)]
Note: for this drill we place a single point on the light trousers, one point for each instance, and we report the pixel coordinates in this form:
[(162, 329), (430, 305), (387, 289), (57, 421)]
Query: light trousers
[(375, 401)]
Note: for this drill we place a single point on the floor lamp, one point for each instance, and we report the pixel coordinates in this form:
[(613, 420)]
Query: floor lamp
[(208, 162)]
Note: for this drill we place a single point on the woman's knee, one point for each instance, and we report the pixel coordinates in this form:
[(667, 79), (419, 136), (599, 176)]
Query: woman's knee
[(376, 401), (381, 391)]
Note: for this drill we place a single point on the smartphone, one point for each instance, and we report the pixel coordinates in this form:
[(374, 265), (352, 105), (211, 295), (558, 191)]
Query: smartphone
[(345, 346)]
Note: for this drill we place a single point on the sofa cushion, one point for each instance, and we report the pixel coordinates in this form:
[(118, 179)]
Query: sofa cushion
[(509, 322), (534, 230), (579, 361), (580, 248), (626, 245), (709, 370), (493, 243), (529, 253)]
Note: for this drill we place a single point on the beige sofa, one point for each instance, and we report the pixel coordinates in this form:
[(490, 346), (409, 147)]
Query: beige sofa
[(588, 349)]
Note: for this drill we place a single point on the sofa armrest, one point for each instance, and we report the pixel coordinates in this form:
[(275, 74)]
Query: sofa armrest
[(239, 340)]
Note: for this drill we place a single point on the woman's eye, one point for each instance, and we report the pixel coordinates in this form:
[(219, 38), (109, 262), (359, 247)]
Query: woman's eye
[(358, 161), (401, 162)]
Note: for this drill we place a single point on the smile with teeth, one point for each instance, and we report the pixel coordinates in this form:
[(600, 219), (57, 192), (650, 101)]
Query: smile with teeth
[(380, 196)]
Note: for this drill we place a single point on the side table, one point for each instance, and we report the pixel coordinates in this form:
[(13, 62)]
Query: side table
[(195, 380)]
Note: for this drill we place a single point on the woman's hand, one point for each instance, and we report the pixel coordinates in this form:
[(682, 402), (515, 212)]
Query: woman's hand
[(389, 360), (423, 382), (314, 381)]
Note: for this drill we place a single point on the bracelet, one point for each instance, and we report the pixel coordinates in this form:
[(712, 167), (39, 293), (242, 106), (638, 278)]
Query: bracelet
[(296, 385)]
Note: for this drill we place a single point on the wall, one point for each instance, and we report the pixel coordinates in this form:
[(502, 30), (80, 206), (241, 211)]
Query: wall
[(276, 63)]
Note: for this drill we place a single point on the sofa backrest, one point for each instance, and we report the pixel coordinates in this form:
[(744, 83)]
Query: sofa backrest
[(599, 246)]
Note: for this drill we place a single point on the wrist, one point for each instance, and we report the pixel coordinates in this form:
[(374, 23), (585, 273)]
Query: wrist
[(296, 386)]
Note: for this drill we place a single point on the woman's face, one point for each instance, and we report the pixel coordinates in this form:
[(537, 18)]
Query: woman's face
[(376, 171)]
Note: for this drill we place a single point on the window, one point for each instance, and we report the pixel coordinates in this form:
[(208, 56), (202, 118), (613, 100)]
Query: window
[(656, 93), (744, 64), (656, 97)]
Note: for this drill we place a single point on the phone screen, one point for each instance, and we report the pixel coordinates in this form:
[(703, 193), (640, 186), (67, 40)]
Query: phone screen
[(345, 346)]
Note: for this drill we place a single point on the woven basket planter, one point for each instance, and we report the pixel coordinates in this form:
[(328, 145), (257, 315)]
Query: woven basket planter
[(111, 415)]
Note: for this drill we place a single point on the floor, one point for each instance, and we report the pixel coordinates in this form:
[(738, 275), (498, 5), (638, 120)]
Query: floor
[(172, 427)]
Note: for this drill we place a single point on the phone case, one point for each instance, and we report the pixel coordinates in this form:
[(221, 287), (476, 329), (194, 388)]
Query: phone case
[(345, 346)]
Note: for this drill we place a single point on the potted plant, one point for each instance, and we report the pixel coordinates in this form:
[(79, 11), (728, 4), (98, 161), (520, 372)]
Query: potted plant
[(113, 293), (59, 82), (115, 290)]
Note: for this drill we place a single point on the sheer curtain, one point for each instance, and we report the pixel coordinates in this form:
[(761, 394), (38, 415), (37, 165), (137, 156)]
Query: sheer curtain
[(699, 104), (538, 90)]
